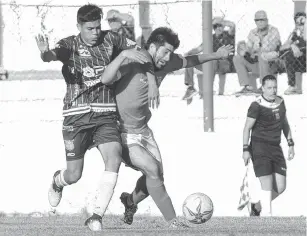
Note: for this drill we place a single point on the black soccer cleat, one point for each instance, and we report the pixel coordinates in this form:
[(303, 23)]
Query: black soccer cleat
[(130, 209), (254, 210)]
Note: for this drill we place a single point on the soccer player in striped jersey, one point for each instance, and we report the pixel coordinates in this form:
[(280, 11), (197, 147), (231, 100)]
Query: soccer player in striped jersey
[(90, 118), (266, 119), (140, 150)]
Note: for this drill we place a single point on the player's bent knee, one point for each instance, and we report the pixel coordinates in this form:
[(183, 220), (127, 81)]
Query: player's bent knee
[(112, 163), (153, 172), (112, 155)]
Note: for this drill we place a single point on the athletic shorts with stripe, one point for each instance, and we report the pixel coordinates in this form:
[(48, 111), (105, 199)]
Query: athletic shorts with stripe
[(268, 159), (85, 131), (145, 139)]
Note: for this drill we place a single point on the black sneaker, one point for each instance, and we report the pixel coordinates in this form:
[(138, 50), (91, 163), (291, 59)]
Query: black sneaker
[(191, 92), (94, 223), (254, 210), (130, 209)]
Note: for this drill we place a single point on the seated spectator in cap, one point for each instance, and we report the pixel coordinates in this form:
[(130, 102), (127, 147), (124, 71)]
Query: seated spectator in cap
[(121, 23), (257, 55), (293, 51), (224, 34)]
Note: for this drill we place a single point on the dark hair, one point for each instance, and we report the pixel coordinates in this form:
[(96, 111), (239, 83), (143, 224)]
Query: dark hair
[(163, 35), (215, 26), (89, 13), (298, 14), (267, 78)]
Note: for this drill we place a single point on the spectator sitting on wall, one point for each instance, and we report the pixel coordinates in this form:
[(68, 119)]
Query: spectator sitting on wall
[(122, 23), (224, 34), (257, 55), (293, 51)]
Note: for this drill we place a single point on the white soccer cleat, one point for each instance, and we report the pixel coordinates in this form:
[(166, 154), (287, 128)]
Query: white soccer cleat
[(176, 224), (94, 223), (55, 192)]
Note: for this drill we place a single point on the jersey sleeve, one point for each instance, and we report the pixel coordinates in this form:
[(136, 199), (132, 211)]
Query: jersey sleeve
[(63, 49), (176, 62), (127, 66), (253, 110)]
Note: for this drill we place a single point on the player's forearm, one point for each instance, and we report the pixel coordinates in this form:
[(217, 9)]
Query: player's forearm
[(195, 60), (110, 72), (287, 131), (48, 56), (246, 135)]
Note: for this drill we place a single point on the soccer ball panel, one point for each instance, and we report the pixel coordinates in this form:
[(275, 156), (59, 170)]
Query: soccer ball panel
[(197, 208)]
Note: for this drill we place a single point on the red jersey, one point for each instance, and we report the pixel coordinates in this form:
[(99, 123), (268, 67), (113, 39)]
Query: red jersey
[(132, 92), (270, 117), (83, 66)]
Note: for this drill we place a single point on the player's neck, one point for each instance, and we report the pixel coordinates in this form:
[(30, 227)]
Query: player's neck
[(86, 43), (268, 99)]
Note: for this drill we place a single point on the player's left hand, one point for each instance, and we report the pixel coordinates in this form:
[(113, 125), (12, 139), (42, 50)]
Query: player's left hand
[(291, 153), (225, 51), (153, 94)]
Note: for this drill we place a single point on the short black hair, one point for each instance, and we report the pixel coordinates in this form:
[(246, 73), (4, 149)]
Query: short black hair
[(298, 14), (163, 35), (89, 13), (267, 78)]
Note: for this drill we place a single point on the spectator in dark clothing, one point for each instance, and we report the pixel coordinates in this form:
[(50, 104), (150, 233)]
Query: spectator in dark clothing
[(293, 51)]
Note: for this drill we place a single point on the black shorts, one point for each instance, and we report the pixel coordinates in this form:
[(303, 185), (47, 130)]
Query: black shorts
[(268, 159), (84, 131)]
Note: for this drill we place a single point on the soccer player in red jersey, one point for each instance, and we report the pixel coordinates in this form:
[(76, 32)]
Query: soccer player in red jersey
[(266, 119), (90, 118), (140, 150)]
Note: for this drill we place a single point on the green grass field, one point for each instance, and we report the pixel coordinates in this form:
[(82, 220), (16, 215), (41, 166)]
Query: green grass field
[(148, 226)]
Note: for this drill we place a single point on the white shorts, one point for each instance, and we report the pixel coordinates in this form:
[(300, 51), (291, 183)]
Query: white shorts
[(145, 139)]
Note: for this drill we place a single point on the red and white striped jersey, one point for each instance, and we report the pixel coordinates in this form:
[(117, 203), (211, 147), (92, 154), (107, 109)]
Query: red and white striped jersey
[(82, 67)]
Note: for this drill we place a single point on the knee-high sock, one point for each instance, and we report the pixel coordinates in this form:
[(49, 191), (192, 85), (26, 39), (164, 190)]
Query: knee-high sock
[(140, 192), (158, 193), (266, 203), (60, 180), (105, 192)]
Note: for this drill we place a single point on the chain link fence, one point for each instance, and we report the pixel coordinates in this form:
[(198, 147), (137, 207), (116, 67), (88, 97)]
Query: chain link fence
[(23, 21)]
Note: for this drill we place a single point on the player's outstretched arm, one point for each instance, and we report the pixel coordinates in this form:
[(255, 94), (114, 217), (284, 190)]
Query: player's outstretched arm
[(47, 55), (288, 135), (222, 53), (114, 72)]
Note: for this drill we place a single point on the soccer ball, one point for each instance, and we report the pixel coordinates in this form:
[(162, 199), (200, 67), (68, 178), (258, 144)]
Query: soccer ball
[(197, 208)]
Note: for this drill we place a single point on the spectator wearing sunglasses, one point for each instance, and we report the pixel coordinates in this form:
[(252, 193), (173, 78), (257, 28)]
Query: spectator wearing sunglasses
[(256, 57), (293, 51)]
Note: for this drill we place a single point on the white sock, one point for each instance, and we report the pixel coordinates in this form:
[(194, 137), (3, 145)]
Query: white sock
[(105, 192), (266, 203), (60, 180)]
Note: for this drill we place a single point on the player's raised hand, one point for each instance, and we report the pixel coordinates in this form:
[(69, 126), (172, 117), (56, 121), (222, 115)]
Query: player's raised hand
[(246, 157), (225, 51), (291, 153), (42, 43), (136, 55)]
